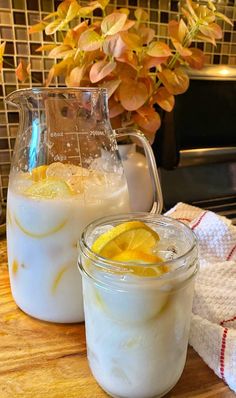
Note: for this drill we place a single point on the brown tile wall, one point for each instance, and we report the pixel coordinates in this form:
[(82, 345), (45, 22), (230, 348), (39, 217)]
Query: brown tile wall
[(17, 15)]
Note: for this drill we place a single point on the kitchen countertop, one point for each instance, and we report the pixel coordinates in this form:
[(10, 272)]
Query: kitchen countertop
[(40, 359)]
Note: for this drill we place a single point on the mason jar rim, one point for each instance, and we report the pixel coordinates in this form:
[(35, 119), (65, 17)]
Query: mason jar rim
[(121, 266)]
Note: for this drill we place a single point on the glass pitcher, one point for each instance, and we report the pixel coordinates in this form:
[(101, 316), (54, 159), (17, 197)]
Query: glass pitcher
[(66, 172)]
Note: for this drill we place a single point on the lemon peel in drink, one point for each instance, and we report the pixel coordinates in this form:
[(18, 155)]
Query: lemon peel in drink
[(39, 173), (131, 235), (139, 257)]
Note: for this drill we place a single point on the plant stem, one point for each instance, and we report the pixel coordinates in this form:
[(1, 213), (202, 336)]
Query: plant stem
[(188, 38)]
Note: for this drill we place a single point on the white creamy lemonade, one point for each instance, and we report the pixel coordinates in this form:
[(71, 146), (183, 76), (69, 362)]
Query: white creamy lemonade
[(47, 210), (137, 302)]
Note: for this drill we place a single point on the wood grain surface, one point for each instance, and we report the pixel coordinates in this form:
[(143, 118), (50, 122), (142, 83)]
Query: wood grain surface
[(40, 359)]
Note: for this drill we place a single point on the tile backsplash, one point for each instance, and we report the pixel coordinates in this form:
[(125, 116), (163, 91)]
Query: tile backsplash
[(17, 15)]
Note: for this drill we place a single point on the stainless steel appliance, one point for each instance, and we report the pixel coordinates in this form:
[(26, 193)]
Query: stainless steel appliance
[(196, 147)]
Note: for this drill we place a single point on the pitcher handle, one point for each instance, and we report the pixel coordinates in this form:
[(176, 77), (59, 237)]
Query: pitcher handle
[(157, 191)]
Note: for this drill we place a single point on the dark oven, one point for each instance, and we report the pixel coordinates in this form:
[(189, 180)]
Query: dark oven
[(196, 146)]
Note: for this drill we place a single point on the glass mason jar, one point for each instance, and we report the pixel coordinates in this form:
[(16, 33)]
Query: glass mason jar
[(66, 172), (137, 327)]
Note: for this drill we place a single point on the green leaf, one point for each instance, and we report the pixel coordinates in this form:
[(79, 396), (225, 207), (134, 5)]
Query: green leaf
[(101, 69), (159, 49), (90, 41), (133, 94), (113, 23), (176, 81)]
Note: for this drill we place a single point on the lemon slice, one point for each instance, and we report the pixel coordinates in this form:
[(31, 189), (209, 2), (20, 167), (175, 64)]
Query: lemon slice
[(39, 173), (131, 235), (49, 188), (139, 257)]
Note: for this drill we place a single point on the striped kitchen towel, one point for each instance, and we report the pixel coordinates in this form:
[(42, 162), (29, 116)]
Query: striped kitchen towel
[(213, 325)]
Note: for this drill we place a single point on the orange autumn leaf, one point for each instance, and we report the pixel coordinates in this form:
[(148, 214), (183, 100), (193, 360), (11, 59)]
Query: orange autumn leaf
[(60, 51), (46, 47), (177, 30), (133, 94), (115, 108), (113, 23), (111, 86), (148, 121), (75, 76), (150, 62), (183, 51), (176, 81), (196, 59), (89, 41), (159, 49), (101, 69), (129, 58), (146, 34), (22, 71), (140, 14), (132, 40), (114, 46), (2, 49), (38, 27), (212, 30), (164, 99)]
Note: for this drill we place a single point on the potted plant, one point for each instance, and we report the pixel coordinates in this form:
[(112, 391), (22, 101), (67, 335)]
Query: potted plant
[(139, 71)]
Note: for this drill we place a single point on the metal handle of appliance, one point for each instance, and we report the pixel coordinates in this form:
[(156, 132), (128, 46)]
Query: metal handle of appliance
[(201, 156)]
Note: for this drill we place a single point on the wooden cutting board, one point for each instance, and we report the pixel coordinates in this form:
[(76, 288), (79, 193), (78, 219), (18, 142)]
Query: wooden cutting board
[(45, 360)]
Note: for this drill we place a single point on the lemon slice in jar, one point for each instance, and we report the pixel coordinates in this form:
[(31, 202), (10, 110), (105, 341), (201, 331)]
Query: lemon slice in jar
[(50, 188), (139, 257), (131, 235), (132, 242)]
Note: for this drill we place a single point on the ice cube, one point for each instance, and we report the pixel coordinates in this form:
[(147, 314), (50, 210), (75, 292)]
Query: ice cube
[(77, 183), (65, 171)]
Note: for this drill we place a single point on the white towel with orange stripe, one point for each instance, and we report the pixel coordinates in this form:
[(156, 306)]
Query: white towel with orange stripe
[(213, 325)]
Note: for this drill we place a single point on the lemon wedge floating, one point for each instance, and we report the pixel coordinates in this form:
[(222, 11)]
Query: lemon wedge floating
[(49, 188), (39, 173), (131, 242)]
